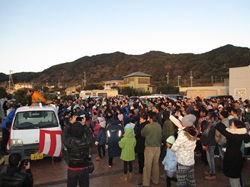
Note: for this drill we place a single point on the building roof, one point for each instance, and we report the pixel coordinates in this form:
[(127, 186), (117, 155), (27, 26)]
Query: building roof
[(117, 77), (137, 74)]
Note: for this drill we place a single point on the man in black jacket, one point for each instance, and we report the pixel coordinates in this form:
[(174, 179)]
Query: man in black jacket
[(14, 176), (77, 138)]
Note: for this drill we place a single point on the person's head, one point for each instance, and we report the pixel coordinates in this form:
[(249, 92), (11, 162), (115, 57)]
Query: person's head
[(224, 114), (152, 117), (15, 159), (77, 129), (155, 109), (220, 107), (103, 124), (170, 141), (236, 103), (238, 124), (29, 92), (203, 112), (143, 118), (245, 103), (188, 120), (234, 112)]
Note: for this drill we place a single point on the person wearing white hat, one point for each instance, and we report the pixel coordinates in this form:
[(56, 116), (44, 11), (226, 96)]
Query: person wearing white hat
[(170, 161)]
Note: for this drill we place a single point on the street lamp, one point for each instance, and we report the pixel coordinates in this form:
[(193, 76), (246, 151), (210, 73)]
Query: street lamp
[(179, 77)]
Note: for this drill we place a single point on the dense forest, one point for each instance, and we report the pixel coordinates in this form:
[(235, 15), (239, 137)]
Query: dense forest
[(213, 65)]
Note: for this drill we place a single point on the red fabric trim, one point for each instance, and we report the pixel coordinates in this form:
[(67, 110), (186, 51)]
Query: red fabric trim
[(77, 169)]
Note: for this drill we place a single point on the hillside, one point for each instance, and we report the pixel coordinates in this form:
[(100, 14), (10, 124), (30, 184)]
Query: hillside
[(102, 67)]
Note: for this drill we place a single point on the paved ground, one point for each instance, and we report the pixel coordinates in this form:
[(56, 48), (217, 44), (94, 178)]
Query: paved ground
[(48, 174)]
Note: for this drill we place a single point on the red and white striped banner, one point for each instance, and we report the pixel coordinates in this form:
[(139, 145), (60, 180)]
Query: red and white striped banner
[(50, 142)]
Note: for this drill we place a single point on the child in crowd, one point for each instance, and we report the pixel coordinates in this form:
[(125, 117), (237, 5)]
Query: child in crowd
[(101, 140), (170, 161), (127, 145)]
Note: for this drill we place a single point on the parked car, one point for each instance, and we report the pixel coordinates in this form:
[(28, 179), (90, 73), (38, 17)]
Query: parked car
[(36, 133), (221, 97)]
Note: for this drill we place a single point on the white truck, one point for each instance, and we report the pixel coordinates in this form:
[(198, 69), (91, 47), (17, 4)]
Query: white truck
[(35, 133)]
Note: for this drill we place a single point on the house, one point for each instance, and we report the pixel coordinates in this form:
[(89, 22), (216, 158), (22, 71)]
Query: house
[(116, 81), (138, 81)]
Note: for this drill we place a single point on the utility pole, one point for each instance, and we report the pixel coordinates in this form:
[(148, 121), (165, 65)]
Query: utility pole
[(179, 77), (191, 78), (11, 83), (84, 79), (167, 77)]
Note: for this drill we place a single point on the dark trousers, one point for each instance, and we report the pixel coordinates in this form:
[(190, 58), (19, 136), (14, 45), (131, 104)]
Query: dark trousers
[(101, 150), (80, 177), (111, 161), (5, 138), (169, 179), (128, 166), (140, 157)]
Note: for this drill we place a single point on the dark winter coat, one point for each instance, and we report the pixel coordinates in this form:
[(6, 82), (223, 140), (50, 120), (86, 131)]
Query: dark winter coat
[(233, 160), (114, 132), (101, 136), (140, 140), (78, 148), (16, 178)]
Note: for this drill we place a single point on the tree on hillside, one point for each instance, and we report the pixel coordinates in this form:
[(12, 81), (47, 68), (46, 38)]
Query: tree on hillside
[(3, 92), (128, 91), (21, 97), (167, 89), (94, 87)]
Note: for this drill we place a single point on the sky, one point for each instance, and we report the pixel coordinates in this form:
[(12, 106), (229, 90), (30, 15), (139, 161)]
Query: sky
[(37, 34)]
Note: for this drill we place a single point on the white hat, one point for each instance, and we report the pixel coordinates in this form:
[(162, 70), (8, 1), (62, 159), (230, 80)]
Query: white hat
[(171, 139), (69, 108), (103, 124), (76, 106), (220, 106)]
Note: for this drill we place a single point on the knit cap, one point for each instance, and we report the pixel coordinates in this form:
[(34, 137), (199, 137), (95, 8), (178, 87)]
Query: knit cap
[(171, 140), (188, 120), (103, 124)]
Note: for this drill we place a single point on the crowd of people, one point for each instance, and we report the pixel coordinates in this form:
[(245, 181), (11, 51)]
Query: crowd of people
[(194, 126), (160, 131)]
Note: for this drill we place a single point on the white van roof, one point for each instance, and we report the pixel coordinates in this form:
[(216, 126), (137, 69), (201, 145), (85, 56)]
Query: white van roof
[(35, 108)]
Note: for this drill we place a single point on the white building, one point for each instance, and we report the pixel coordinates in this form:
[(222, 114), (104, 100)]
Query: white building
[(239, 82)]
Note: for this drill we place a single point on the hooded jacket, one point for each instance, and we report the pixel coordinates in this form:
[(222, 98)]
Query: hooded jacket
[(127, 144), (184, 146)]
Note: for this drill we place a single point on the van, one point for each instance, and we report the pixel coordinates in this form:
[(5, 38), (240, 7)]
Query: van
[(99, 93), (221, 97), (35, 133)]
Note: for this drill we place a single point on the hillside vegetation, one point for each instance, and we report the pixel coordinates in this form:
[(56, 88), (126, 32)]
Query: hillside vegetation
[(103, 67)]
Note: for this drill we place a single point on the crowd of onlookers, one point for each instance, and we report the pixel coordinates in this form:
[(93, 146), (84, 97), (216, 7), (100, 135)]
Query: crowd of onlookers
[(106, 115), (162, 130)]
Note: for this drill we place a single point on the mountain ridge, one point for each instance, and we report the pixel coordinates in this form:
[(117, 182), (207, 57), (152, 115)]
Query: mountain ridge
[(103, 67)]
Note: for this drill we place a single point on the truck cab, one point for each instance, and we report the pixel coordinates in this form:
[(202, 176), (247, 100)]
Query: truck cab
[(35, 133)]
